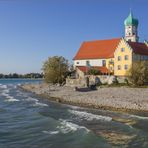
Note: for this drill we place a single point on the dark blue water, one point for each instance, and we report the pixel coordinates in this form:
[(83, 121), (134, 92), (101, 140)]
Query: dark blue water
[(30, 121)]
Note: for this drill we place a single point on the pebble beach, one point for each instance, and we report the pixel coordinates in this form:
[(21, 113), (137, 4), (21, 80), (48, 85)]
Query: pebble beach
[(111, 98)]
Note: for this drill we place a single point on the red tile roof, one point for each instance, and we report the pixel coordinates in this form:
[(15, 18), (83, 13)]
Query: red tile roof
[(97, 49), (139, 48), (102, 69)]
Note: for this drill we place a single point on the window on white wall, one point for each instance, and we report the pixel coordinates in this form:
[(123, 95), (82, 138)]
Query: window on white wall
[(103, 62), (88, 63), (78, 63)]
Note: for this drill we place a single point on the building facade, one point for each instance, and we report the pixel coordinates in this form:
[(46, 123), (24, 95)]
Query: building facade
[(113, 56)]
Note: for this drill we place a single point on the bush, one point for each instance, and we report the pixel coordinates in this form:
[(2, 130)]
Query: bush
[(55, 69), (138, 73), (94, 71)]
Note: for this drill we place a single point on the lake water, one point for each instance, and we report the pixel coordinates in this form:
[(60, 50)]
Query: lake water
[(27, 121)]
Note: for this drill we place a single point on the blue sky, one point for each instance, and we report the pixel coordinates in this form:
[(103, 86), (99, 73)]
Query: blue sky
[(33, 30)]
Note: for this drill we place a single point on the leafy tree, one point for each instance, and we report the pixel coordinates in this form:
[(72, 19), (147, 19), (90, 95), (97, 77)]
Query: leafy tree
[(138, 73), (15, 75), (55, 69), (94, 71), (1, 76)]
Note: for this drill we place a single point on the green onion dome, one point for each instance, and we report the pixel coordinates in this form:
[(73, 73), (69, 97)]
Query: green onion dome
[(131, 21)]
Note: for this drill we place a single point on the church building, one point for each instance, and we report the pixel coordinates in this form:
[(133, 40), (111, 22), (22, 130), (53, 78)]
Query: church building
[(113, 56)]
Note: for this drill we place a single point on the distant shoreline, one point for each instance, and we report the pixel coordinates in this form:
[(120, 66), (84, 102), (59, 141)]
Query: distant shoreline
[(115, 99), (21, 79)]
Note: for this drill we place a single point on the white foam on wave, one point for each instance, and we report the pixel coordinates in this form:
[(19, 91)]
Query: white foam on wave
[(39, 104), (89, 116), (74, 107), (5, 94), (31, 99), (67, 127), (3, 86), (139, 117), (6, 90), (11, 100), (51, 132), (20, 94)]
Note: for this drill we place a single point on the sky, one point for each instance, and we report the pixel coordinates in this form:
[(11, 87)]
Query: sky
[(33, 30)]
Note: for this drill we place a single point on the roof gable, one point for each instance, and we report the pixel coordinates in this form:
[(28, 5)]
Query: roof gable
[(97, 49), (139, 48)]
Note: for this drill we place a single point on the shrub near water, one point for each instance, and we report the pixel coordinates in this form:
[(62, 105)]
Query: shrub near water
[(55, 69), (138, 73)]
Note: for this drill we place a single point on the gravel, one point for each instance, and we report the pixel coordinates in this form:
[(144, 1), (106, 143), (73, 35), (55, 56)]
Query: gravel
[(114, 98)]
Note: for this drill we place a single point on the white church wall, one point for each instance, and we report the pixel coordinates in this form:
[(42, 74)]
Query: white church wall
[(92, 62)]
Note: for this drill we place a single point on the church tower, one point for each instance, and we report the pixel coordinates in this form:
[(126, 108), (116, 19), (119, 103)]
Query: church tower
[(131, 29)]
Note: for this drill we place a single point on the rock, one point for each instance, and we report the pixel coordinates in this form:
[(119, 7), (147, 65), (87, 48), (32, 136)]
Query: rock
[(57, 100), (97, 81), (76, 89), (117, 138), (112, 80)]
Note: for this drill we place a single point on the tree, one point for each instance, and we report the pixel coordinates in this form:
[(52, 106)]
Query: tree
[(138, 73), (93, 71), (55, 69)]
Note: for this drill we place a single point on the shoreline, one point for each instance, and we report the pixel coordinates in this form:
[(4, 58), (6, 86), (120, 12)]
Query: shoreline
[(94, 100)]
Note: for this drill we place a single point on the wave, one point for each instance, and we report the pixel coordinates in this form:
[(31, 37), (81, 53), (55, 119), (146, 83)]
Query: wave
[(139, 117), (39, 104), (6, 90), (31, 99), (20, 94), (74, 107), (90, 116), (15, 86), (67, 127), (3, 86), (11, 99), (5, 94), (51, 132)]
